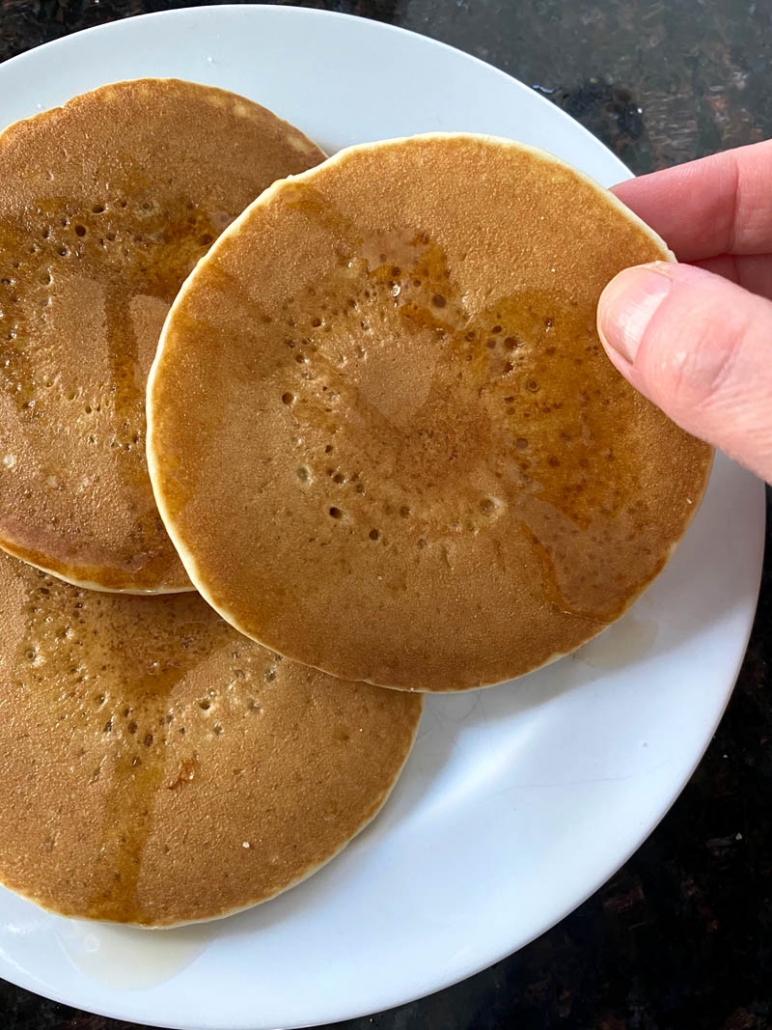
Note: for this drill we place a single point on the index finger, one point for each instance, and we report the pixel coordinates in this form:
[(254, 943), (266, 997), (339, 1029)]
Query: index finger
[(717, 205)]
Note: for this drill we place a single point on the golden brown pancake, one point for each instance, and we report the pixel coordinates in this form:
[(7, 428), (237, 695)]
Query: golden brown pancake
[(384, 435), (156, 767), (106, 204)]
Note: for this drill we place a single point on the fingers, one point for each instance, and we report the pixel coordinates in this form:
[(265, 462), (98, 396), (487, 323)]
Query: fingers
[(700, 347), (751, 271), (718, 205)]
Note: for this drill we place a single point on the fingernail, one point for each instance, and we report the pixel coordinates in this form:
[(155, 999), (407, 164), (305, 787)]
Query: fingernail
[(628, 304)]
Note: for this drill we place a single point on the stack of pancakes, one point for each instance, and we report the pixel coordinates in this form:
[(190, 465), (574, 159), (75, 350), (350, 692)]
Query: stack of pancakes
[(381, 441)]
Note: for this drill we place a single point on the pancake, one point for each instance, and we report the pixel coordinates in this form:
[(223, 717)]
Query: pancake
[(383, 432), (156, 767), (106, 204)]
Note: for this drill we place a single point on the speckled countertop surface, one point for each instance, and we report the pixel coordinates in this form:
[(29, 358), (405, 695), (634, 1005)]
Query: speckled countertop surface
[(681, 938)]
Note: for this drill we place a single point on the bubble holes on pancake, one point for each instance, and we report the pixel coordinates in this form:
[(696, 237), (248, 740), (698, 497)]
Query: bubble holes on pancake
[(64, 261), (524, 370), (130, 247), (69, 664)]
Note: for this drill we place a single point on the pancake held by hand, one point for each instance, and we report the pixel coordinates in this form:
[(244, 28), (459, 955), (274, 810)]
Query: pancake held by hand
[(106, 204), (157, 767), (383, 432)]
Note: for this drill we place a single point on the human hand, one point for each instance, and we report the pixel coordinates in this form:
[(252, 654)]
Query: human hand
[(696, 339)]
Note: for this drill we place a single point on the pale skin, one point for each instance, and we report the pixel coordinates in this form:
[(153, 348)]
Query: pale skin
[(696, 338)]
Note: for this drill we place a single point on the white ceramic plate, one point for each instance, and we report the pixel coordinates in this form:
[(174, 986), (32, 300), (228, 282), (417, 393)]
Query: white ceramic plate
[(518, 802)]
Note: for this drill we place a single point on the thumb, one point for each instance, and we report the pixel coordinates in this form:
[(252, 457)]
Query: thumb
[(701, 349)]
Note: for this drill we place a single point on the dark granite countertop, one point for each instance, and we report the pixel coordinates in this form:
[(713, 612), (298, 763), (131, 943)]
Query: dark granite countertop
[(681, 938)]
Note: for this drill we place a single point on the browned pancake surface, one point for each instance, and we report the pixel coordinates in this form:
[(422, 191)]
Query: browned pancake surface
[(157, 767), (106, 204), (384, 433)]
